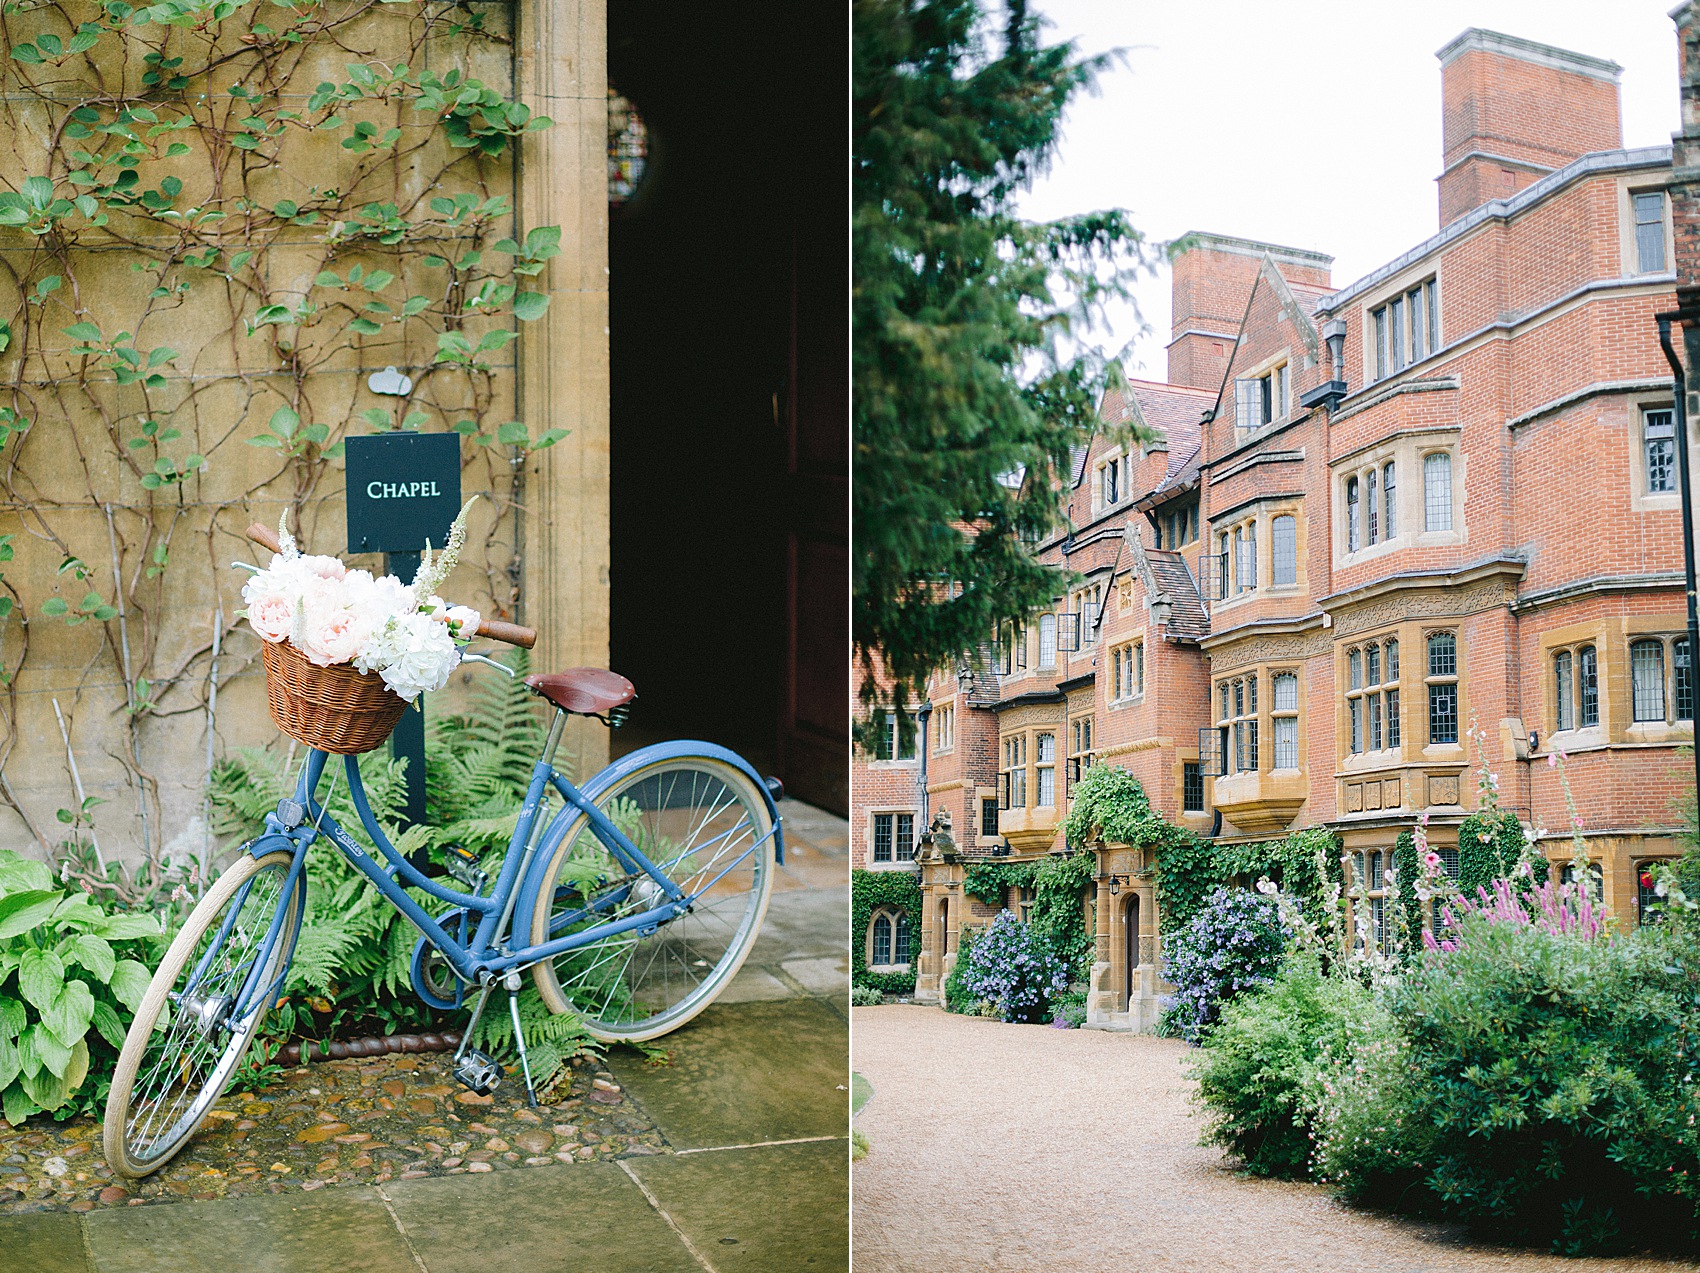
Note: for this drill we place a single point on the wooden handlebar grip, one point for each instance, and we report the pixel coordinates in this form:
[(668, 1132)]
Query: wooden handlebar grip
[(512, 633), (264, 536)]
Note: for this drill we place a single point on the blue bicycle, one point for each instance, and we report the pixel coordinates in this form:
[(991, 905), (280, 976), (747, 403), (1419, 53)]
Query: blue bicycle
[(633, 901)]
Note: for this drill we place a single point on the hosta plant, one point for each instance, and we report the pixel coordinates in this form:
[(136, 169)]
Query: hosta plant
[(71, 973)]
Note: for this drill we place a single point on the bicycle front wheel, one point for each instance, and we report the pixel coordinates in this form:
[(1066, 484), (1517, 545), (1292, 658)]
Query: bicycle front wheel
[(190, 1034), (705, 825)]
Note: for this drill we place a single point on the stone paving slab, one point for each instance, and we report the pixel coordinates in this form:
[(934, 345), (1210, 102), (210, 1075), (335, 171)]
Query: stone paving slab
[(748, 1073), (557, 1220), (51, 1243), (802, 1196), (345, 1228)]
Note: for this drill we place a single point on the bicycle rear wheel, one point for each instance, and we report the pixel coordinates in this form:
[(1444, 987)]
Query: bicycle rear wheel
[(187, 1039), (705, 824)]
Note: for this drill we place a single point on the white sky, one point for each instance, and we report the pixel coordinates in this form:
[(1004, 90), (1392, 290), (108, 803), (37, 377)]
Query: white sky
[(1308, 123)]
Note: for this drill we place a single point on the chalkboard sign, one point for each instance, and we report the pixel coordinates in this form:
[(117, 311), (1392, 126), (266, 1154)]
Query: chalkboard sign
[(403, 489)]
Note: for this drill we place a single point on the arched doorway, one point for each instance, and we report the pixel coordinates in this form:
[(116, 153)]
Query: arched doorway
[(1130, 957)]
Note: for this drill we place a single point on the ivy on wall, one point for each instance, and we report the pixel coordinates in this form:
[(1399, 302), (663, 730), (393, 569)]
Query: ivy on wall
[(1490, 841), (895, 890), (221, 216)]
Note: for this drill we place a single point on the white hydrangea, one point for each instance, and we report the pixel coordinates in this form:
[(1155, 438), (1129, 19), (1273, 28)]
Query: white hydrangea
[(414, 653)]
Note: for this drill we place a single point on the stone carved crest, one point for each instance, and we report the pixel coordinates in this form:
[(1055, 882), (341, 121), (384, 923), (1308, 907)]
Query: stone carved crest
[(937, 844)]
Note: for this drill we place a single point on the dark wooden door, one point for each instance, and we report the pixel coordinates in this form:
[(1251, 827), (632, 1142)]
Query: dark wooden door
[(1131, 959)]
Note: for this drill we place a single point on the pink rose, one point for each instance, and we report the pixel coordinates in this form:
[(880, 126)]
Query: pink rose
[(333, 637), (271, 616), (323, 567)]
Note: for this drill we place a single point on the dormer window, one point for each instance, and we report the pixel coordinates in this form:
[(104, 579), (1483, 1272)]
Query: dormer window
[(1261, 399)]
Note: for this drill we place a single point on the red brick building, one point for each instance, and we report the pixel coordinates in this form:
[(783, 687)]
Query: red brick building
[(1443, 493)]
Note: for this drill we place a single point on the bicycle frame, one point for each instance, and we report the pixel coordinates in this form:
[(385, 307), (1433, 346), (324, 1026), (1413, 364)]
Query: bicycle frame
[(298, 821)]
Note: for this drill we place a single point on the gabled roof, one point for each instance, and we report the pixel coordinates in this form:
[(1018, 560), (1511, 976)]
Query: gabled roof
[(1165, 574), (1188, 618)]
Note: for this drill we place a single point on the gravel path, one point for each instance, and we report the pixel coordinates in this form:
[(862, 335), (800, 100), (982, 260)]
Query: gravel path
[(1010, 1149)]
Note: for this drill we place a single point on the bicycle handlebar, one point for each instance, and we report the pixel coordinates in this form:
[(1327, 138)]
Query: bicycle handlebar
[(495, 629)]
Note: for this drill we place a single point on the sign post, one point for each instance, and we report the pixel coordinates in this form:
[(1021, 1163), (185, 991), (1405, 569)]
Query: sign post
[(403, 490)]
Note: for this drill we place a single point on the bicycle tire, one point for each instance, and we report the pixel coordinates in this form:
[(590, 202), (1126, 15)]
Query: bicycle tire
[(624, 987), (131, 1150)]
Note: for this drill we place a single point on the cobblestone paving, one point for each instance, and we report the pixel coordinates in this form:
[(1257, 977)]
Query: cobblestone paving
[(365, 1121)]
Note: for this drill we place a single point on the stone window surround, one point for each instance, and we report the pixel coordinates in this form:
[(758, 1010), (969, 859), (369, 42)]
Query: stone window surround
[(896, 761), (1135, 638), (1388, 752), (1629, 263), (1573, 640), (1283, 361), (1611, 639), (892, 916), (1669, 728), (1641, 500), (981, 795), (1414, 746), (1265, 717), (905, 864), (1411, 277), (1124, 484), (1407, 448), (1259, 514), (943, 714), (1360, 882)]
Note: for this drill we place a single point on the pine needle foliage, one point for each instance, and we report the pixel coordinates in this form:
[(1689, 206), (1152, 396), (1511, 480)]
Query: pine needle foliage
[(973, 381)]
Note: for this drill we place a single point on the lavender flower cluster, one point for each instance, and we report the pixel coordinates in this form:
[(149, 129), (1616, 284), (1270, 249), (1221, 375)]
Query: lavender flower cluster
[(1013, 968), (1233, 944)]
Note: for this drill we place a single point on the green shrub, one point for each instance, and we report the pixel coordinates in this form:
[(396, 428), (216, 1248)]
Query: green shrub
[(865, 997), (1543, 1089), (1014, 968), (957, 997), (71, 976), (1069, 1009), (1258, 1073)]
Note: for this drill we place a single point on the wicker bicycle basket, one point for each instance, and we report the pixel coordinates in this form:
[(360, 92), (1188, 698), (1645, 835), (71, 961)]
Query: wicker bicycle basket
[(335, 709)]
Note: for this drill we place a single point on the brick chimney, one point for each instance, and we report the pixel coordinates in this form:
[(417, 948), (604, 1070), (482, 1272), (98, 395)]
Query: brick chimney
[(1513, 111), (1213, 275), (1685, 161)]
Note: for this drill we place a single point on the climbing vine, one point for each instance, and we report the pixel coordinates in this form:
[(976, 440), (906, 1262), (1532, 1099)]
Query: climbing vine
[(898, 890), (219, 219)]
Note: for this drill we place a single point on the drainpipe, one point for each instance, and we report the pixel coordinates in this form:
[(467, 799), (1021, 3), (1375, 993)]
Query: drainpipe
[(921, 819), (1680, 385)]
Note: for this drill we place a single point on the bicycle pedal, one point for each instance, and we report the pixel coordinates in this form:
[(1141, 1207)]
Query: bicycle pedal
[(477, 1071)]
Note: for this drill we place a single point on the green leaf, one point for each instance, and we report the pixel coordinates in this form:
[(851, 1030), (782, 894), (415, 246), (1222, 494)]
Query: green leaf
[(18, 1105), (53, 607), (530, 306), (284, 422), (41, 975), (365, 326), (20, 873), (129, 982), (13, 1018), (123, 926), (494, 340), (549, 439), (108, 1024), (513, 433), (69, 1015), (26, 53), (20, 912), (95, 954), (11, 1064), (265, 439), (83, 333)]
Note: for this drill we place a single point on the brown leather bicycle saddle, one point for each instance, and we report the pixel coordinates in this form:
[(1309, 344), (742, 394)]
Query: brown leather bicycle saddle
[(585, 690)]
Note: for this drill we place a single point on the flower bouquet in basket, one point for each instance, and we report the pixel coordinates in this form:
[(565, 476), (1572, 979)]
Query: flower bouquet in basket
[(346, 651)]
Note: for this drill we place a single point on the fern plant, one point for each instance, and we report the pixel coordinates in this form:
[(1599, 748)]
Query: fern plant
[(350, 974)]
